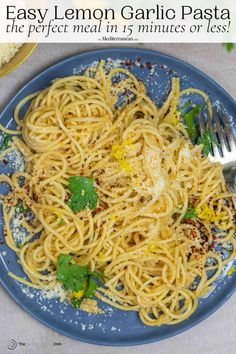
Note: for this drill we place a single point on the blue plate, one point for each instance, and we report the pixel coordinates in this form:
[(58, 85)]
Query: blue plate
[(113, 327)]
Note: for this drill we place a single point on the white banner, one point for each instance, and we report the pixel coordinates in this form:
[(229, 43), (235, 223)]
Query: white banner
[(116, 21)]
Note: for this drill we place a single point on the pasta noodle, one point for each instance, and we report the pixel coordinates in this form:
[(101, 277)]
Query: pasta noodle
[(146, 174)]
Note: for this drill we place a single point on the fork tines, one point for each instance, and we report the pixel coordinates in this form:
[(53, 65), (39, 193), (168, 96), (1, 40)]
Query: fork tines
[(223, 141)]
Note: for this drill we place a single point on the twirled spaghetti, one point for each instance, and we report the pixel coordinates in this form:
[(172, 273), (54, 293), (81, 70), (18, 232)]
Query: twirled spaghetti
[(146, 174)]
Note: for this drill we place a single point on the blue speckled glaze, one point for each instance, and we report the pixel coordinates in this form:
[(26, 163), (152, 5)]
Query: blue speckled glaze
[(113, 327)]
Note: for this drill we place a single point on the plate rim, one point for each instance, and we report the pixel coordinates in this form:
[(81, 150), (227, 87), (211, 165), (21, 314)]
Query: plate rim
[(107, 52)]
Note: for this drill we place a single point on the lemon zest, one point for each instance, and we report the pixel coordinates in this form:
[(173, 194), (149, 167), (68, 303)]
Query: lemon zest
[(80, 293), (158, 208), (125, 165), (101, 255), (208, 214), (149, 249), (118, 153), (231, 270)]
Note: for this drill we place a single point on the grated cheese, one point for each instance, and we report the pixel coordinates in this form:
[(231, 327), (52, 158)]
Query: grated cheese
[(90, 305), (15, 160), (186, 151), (18, 231), (158, 186), (56, 292)]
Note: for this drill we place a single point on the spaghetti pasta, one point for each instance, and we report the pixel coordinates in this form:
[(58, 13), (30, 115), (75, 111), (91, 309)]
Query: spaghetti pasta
[(146, 174)]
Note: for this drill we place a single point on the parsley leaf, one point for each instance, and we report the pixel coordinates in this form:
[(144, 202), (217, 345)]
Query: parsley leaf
[(190, 213), (21, 245), (5, 141), (82, 193), (75, 278), (98, 275), (72, 276), (206, 139), (189, 118), (60, 221), (92, 286), (76, 302), (63, 260), (185, 105), (229, 46), (20, 209)]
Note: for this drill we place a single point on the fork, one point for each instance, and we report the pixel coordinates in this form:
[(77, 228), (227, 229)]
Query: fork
[(225, 151)]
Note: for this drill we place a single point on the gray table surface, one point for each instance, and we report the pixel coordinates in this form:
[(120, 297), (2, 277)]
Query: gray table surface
[(213, 336)]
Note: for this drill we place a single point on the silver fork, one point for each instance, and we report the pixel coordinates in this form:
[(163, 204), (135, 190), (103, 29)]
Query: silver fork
[(225, 151)]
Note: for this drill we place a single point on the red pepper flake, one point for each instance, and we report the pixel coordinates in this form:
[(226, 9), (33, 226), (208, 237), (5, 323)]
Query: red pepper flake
[(212, 246), (193, 233), (96, 211), (149, 65), (204, 239), (127, 92), (5, 162), (190, 222), (128, 62)]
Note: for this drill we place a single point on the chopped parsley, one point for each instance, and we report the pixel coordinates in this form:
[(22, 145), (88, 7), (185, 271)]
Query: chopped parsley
[(20, 209), (82, 193), (229, 46), (72, 276), (190, 213), (206, 140), (60, 221), (76, 278), (189, 118), (185, 105), (5, 141), (76, 302), (92, 286), (20, 246)]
